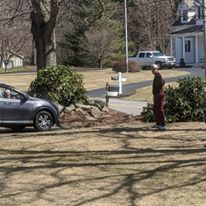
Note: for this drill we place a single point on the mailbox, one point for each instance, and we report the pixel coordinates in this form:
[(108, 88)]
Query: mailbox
[(114, 90)]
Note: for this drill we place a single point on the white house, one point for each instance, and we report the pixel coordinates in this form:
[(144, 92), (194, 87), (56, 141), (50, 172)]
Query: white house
[(15, 61), (187, 35)]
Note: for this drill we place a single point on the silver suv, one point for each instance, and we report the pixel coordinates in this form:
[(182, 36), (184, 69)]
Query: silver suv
[(147, 58), (18, 110)]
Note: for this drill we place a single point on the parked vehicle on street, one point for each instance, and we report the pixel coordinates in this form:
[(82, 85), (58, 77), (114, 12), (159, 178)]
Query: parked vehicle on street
[(147, 58), (18, 110)]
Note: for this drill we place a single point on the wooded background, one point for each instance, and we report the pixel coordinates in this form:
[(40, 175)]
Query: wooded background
[(83, 32)]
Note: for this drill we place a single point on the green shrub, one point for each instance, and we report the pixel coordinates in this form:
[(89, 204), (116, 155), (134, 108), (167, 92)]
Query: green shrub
[(59, 84), (147, 113), (121, 66), (182, 103), (112, 59)]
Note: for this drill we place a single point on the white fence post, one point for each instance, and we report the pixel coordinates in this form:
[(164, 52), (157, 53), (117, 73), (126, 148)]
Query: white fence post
[(120, 82)]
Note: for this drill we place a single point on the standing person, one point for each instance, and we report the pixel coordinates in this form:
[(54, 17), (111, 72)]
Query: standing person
[(158, 96)]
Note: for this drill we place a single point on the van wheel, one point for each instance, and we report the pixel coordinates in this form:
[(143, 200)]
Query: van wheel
[(43, 121)]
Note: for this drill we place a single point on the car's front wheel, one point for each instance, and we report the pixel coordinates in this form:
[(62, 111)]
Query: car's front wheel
[(43, 121)]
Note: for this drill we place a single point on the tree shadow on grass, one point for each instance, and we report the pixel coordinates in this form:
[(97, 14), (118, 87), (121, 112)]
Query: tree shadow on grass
[(127, 168)]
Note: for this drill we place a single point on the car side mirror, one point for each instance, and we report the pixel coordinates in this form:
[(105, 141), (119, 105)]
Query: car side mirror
[(24, 98)]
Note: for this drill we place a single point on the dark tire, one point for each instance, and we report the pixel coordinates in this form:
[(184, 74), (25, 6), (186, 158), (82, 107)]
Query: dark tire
[(18, 128), (43, 121), (159, 64)]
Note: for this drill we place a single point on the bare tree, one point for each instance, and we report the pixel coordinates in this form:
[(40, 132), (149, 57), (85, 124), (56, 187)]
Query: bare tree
[(149, 23), (100, 43), (44, 16), (14, 29), (10, 42)]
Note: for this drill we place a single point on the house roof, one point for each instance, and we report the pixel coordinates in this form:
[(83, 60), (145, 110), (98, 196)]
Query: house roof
[(190, 7), (188, 3), (179, 23), (14, 54), (193, 29)]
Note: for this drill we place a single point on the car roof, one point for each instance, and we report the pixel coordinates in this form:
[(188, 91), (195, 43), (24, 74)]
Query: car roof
[(9, 87), (151, 51)]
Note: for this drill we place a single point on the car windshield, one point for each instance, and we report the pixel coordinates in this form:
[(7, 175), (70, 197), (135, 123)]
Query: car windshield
[(157, 54)]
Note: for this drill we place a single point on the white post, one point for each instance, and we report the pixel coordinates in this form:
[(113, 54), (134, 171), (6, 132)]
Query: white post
[(171, 46), (126, 33), (204, 34), (120, 82), (196, 50), (183, 48)]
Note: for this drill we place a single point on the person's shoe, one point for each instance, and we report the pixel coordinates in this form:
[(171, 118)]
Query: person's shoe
[(156, 126), (163, 128)]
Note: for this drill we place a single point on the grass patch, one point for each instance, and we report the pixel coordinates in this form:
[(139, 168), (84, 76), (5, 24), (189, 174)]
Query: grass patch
[(17, 69), (94, 79), (145, 93)]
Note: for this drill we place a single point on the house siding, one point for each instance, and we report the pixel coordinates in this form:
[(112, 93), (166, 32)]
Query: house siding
[(187, 36), (15, 61)]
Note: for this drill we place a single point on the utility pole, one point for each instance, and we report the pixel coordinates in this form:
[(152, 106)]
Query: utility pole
[(204, 33), (126, 34), (202, 4)]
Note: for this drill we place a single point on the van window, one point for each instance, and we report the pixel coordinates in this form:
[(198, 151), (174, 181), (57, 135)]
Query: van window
[(141, 55), (148, 55)]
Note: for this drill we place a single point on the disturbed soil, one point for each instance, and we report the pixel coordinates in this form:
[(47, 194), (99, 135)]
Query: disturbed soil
[(112, 117)]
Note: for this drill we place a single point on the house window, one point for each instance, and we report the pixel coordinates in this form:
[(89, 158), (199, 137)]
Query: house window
[(184, 15), (187, 46)]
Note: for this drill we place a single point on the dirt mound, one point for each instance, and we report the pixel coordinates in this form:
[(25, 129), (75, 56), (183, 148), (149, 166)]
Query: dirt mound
[(112, 117)]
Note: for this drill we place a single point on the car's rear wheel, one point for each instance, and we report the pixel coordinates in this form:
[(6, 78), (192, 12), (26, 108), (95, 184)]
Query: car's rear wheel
[(43, 121)]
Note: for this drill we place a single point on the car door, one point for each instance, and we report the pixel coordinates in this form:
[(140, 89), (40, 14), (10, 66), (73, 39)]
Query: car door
[(149, 60), (141, 58), (17, 108)]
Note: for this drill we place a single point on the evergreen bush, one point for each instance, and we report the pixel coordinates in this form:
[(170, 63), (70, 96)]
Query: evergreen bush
[(121, 66), (182, 103), (59, 84)]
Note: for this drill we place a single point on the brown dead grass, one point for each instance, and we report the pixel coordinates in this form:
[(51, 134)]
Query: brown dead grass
[(145, 93), (93, 79), (126, 164), (97, 78), (113, 164), (19, 80)]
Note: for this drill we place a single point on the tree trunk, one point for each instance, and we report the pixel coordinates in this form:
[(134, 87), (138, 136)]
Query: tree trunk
[(43, 31), (100, 63)]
